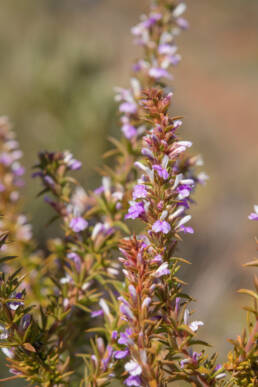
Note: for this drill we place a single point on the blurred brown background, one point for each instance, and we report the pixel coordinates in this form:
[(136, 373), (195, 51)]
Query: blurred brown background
[(60, 60)]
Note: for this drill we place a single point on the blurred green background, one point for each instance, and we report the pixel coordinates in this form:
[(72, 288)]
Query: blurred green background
[(60, 60)]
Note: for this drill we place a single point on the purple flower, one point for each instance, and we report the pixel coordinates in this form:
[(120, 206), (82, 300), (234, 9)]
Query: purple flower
[(121, 354), (49, 180), (125, 337), (161, 226), (154, 17), (218, 367), (2, 187), (128, 107), (162, 270), (133, 368), (187, 230), (78, 224), (184, 191), (254, 215), (195, 325), (114, 335), (129, 131), (75, 165), (71, 162), (15, 304), (25, 321), (133, 381), (196, 357), (182, 23), (183, 362), (99, 190), (135, 211), (167, 49), (126, 311), (6, 159), (75, 258), (18, 170), (163, 173), (157, 259), (8, 352), (106, 360), (157, 73), (139, 192), (97, 313)]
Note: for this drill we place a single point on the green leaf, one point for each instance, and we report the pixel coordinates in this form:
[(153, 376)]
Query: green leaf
[(7, 258), (122, 226)]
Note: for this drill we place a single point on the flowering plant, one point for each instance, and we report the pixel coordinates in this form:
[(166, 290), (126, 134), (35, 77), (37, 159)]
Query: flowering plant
[(104, 302)]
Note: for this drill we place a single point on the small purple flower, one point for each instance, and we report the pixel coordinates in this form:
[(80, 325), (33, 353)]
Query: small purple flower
[(121, 354), (8, 352), (183, 362), (254, 215), (129, 131), (157, 73), (154, 17), (78, 224), (187, 230), (114, 335), (139, 192), (157, 259), (126, 311), (2, 187), (162, 172), (75, 258), (133, 381), (195, 325), (167, 49), (196, 357), (97, 313), (146, 302), (218, 367), (75, 165), (161, 226), (71, 162), (6, 159), (162, 270), (18, 170), (49, 180), (135, 211), (99, 190), (128, 107), (36, 174), (107, 358), (184, 191), (15, 304), (125, 337), (14, 371), (133, 368), (202, 178), (25, 321), (182, 23)]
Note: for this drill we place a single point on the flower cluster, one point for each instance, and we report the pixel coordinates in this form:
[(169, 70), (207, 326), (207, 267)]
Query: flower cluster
[(158, 331), (156, 35), (11, 181)]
